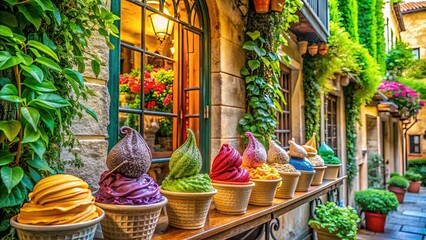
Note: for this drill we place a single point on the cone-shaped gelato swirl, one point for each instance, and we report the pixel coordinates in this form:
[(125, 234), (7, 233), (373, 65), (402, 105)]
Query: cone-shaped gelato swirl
[(59, 199), (276, 154), (186, 160), (184, 165), (133, 149), (327, 154), (255, 153), (296, 150), (227, 166), (118, 189)]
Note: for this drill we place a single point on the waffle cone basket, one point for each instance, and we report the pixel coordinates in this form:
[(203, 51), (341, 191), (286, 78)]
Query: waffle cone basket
[(263, 192), (232, 198), (319, 175), (289, 182), (332, 171), (76, 231), (305, 181), (187, 210), (130, 221)]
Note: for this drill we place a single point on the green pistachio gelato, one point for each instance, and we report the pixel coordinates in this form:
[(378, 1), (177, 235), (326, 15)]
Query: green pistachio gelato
[(327, 154), (197, 183), (185, 164)]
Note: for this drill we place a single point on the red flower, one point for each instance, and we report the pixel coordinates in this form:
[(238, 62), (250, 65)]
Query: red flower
[(167, 99), (422, 103), (151, 104)]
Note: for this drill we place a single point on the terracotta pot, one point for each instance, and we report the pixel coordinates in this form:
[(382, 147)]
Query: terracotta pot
[(313, 49), (319, 175), (399, 192), (414, 187), (332, 171), (344, 80), (323, 234), (277, 5), (303, 46), (323, 49), (262, 6), (375, 221)]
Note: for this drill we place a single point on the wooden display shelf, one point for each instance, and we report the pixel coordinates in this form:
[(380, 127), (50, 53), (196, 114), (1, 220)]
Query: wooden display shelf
[(221, 226)]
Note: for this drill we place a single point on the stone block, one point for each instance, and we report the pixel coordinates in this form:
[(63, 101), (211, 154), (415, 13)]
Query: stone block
[(93, 154), (100, 104), (227, 57), (228, 90), (416, 230), (97, 45), (224, 121), (232, 24)]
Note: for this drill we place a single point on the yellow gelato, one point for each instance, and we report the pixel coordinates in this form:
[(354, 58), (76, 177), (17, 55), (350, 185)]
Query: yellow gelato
[(59, 199), (263, 173)]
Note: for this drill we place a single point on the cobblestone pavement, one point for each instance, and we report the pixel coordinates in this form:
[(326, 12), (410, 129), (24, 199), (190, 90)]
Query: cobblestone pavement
[(407, 223)]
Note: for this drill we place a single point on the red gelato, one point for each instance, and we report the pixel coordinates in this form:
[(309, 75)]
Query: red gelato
[(227, 166)]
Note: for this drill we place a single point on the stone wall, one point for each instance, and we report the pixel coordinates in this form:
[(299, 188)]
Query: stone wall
[(92, 134), (415, 31)]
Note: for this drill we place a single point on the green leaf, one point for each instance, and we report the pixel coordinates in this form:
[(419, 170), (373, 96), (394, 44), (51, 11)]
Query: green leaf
[(41, 47), (30, 135), (249, 45), (90, 112), (266, 61), (50, 100), (9, 89), (44, 86), (40, 164), (5, 31), (250, 79), (48, 42), (244, 71), (6, 159), (253, 35), (253, 64), (48, 63), (10, 128), (34, 174), (8, 19), (11, 176), (31, 14), (48, 119), (25, 59), (96, 67), (46, 5), (15, 198), (27, 182), (259, 51), (38, 148), (31, 115), (7, 60), (73, 75), (33, 71)]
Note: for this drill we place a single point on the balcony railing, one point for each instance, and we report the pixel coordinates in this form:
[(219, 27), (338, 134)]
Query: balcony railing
[(313, 22), (320, 8)]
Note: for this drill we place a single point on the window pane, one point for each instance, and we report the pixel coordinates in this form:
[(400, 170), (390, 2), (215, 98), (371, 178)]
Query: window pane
[(158, 89), (131, 24), (160, 133), (130, 120), (416, 139), (130, 78)]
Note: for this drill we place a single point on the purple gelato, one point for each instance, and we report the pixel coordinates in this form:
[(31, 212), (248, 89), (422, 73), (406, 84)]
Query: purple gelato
[(118, 189)]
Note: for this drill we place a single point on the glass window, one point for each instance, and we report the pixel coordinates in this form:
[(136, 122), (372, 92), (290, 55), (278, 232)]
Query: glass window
[(415, 144), (331, 122), (283, 131), (416, 53), (160, 73)]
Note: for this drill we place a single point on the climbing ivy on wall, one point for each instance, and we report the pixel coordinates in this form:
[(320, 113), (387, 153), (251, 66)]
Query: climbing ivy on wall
[(367, 25), (266, 33), (312, 107), (380, 34), (348, 17)]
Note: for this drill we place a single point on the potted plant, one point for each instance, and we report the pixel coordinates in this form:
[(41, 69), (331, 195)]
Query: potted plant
[(334, 222), (398, 185), (376, 204), (262, 6), (415, 181), (303, 46), (277, 5), (323, 48), (395, 174)]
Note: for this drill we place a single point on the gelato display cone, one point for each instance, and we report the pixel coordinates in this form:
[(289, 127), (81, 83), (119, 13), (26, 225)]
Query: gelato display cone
[(232, 198), (130, 221), (288, 184), (332, 171), (73, 231), (318, 176), (305, 181), (188, 210), (263, 192)]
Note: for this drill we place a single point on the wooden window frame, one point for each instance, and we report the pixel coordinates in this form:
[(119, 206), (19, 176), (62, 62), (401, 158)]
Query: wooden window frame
[(283, 131), (412, 145), (331, 122)]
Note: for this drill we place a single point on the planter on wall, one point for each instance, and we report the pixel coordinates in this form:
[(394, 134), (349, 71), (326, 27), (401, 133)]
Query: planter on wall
[(277, 5), (344, 80), (303, 46), (313, 49), (323, 48), (414, 187), (399, 192), (262, 6)]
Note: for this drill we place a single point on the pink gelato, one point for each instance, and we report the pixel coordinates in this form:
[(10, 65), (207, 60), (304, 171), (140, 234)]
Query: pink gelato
[(227, 166)]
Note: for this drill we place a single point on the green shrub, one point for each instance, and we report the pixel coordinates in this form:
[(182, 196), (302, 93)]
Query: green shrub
[(394, 174), (420, 169), (398, 181), (412, 176), (376, 201), (418, 162), (336, 219)]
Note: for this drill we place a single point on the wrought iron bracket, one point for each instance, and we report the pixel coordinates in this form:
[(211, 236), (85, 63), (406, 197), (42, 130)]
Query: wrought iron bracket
[(334, 196), (312, 205)]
